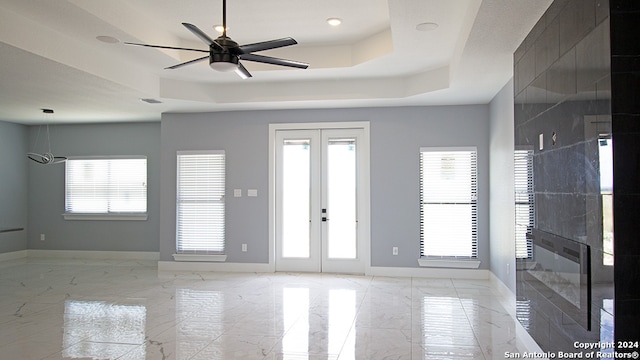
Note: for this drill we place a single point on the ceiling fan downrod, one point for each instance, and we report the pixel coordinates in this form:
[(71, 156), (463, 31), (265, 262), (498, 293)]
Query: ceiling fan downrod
[(224, 18)]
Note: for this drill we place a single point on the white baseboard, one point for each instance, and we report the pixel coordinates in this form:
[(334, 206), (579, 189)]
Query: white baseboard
[(94, 255), (20, 254), (475, 274), (181, 266)]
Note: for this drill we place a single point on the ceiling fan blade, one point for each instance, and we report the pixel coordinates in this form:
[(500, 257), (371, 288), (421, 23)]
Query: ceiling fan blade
[(273, 61), (187, 63), (166, 47), (204, 37), (266, 45), (243, 72)]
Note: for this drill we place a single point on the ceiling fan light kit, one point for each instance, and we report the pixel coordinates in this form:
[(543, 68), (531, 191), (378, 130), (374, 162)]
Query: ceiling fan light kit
[(224, 62), (225, 54)]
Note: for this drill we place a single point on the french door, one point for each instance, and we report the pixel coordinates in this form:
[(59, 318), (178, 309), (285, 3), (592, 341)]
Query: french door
[(319, 200)]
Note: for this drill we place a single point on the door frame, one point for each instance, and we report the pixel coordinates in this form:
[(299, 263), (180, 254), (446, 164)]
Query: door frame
[(364, 205)]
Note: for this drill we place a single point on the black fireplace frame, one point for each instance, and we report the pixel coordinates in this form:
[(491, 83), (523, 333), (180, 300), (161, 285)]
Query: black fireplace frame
[(563, 249)]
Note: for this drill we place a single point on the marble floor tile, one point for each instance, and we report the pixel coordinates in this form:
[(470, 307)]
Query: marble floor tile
[(78, 309)]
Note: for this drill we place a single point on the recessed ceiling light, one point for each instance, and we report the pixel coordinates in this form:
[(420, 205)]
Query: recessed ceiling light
[(334, 21), (107, 39), (426, 26)]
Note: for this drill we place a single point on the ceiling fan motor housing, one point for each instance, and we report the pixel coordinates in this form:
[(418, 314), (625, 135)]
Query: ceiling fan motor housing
[(223, 60), (217, 58)]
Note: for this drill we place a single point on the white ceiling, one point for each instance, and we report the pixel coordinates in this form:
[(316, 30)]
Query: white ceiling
[(50, 57)]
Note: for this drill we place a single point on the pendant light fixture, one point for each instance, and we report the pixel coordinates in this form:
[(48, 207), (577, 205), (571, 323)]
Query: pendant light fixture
[(46, 158)]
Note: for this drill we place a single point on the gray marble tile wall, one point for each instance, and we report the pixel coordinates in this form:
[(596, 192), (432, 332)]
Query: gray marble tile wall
[(562, 77)]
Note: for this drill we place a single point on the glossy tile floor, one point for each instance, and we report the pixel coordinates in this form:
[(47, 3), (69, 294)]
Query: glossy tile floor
[(64, 309)]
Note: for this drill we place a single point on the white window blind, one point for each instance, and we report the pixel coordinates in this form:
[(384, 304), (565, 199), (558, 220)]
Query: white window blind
[(524, 202), (200, 206), (448, 197), (106, 185)]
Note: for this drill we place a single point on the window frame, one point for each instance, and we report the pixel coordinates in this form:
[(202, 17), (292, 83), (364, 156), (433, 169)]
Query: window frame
[(452, 260), (109, 215), (207, 254)]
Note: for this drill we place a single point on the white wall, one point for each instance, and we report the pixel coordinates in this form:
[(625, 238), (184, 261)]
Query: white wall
[(501, 191)]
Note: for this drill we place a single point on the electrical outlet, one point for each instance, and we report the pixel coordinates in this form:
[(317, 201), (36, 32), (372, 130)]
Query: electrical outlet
[(244, 247), (395, 250), (42, 237)]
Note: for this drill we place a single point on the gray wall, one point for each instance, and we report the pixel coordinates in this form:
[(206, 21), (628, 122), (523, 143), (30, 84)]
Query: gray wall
[(501, 198), (13, 185), (396, 137), (46, 189)]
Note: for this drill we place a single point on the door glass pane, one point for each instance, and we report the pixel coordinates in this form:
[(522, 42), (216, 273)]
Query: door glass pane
[(341, 198), (296, 191)]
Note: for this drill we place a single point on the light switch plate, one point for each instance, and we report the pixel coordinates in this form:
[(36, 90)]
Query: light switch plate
[(237, 192), (541, 141), (252, 192)]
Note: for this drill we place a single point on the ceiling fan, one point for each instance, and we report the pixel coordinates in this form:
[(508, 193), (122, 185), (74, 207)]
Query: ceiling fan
[(225, 54)]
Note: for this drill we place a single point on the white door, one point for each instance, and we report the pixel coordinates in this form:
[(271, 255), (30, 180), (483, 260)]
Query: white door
[(318, 202)]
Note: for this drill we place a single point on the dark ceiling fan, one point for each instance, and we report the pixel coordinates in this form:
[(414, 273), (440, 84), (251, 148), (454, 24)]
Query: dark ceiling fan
[(225, 54)]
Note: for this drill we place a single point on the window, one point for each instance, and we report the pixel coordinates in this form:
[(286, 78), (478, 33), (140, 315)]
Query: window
[(105, 187), (524, 201), (448, 198), (200, 208)]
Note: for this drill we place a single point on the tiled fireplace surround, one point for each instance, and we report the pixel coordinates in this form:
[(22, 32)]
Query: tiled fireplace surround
[(577, 82)]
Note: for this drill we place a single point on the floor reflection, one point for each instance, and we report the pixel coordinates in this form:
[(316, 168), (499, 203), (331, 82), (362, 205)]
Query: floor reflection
[(295, 312), (606, 324), (125, 311), (100, 330), (531, 320), (523, 312), (199, 320), (342, 313), (322, 327), (442, 331)]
